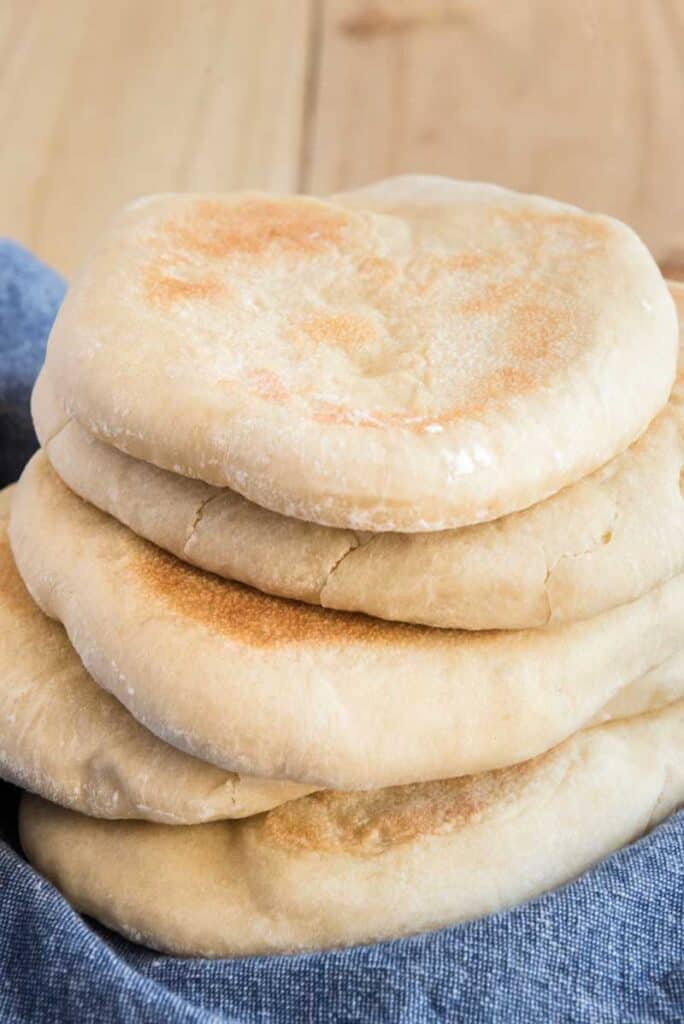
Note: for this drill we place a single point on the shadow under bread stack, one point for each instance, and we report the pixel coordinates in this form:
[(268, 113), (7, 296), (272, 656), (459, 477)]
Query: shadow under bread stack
[(361, 521)]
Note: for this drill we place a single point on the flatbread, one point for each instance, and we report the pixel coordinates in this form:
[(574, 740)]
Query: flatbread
[(68, 740), (334, 869), (65, 738), (277, 689), (601, 542), (419, 355)]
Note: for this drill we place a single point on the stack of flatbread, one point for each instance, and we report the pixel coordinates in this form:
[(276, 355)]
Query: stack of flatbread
[(345, 598)]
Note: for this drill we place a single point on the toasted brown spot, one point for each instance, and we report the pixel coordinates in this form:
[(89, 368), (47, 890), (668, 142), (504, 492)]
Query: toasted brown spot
[(428, 270), (329, 412), (163, 289), (497, 386), (510, 380), (579, 224), (365, 824), (540, 339), (218, 230), (491, 299), (377, 270), (267, 385), (421, 274), (537, 328), (554, 225), (345, 330), (13, 593), (250, 617), (470, 260), (14, 597)]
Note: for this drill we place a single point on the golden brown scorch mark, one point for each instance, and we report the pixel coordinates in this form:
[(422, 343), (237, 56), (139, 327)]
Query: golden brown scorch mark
[(471, 260), (491, 298), (212, 231), (537, 328), (545, 225), (14, 597), (163, 288), (218, 230), (366, 824), (348, 331), (377, 271), (267, 385), (535, 348), (250, 617)]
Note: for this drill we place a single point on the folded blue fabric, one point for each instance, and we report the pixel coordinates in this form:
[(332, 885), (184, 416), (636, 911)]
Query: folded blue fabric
[(30, 295), (606, 949)]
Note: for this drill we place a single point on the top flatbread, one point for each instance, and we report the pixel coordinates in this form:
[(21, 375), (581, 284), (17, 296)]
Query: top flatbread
[(419, 355)]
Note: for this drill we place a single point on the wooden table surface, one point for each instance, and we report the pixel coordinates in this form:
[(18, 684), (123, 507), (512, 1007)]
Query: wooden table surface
[(101, 100)]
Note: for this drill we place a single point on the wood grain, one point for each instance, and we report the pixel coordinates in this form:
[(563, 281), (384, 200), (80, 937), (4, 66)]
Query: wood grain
[(583, 101), (100, 102)]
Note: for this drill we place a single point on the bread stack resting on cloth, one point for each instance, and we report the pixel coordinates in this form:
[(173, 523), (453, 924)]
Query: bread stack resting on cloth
[(345, 598)]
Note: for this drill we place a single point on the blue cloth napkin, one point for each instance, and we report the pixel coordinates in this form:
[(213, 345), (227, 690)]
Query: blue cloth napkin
[(30, 295), (606, 949)]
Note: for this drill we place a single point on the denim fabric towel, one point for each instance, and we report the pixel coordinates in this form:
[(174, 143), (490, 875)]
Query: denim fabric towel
[(606, 949)]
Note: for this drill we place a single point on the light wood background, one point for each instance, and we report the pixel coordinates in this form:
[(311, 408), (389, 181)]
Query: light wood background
[(101, 100)]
